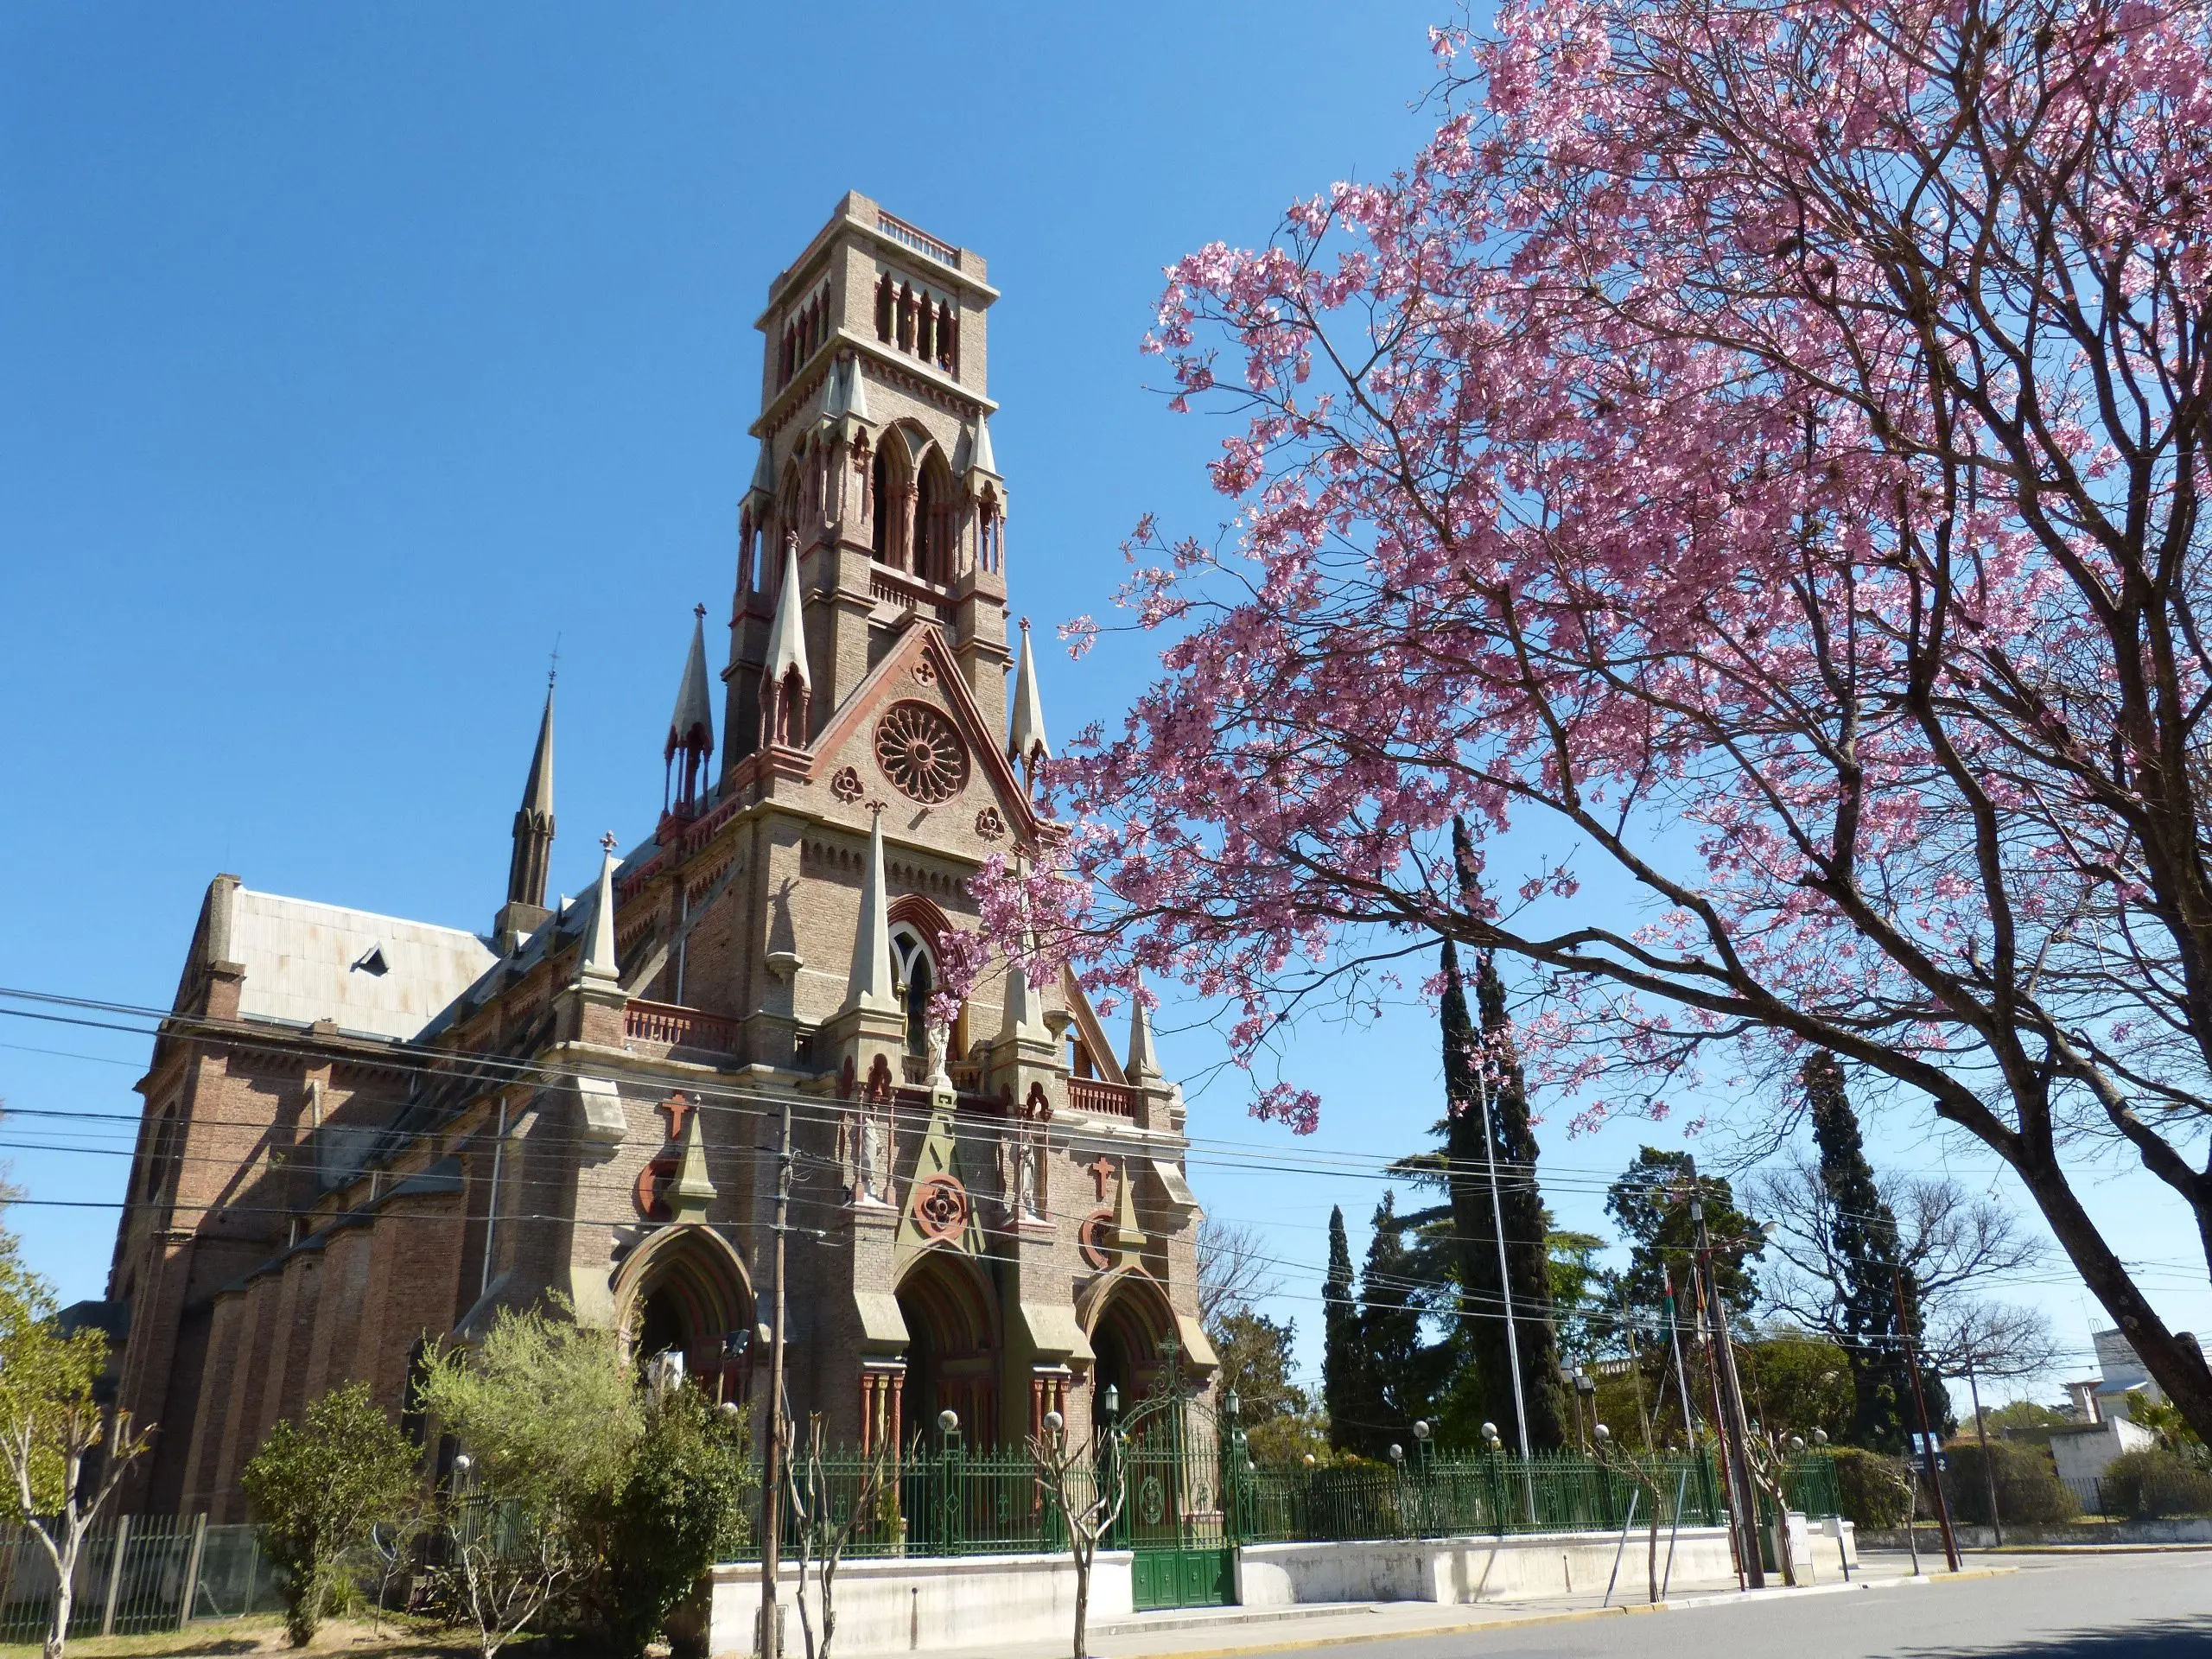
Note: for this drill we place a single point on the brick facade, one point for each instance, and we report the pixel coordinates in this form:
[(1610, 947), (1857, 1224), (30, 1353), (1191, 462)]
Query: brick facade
[(364, 1136)]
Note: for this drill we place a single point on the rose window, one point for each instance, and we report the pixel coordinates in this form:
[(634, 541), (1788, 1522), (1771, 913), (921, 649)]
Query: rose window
[(920, 752)]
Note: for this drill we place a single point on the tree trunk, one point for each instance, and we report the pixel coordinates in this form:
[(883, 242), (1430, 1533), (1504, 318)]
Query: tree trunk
[(2177, 1365), (65, 1569), (1082, 1596)]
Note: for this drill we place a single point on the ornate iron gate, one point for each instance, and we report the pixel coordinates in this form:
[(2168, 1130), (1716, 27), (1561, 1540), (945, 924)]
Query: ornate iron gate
[(1174, 1516)]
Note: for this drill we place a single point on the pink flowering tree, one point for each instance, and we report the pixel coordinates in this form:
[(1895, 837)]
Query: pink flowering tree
[(1750, 468)]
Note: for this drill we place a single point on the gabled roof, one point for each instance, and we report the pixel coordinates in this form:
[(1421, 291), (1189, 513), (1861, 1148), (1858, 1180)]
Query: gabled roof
[(377, 975)]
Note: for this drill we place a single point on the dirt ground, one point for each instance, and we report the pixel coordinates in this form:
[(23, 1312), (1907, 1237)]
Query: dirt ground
[(264, 1634)]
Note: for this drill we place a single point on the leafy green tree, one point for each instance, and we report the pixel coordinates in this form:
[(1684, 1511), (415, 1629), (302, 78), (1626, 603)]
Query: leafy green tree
[(52, 1426), (547, 1418), (1651, 1203), (2025, 1423), (1255, 1353), (316, 1490), (683, 1504), (1583, 1297), (1794, 1383), (1346, 1376)]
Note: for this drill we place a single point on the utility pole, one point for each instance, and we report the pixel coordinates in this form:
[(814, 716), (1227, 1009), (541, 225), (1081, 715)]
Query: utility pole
[(1636, 1372), (1674, 1340), (772, 1507), (1981, 1433), (1504, 1275), (1735, 1432), (1927, 1434)]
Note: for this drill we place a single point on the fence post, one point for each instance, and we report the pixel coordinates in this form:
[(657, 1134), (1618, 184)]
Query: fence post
[(192, 1570), (115, 1574)]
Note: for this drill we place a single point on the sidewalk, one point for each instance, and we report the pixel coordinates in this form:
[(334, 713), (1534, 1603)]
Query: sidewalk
[(1229, 1632)]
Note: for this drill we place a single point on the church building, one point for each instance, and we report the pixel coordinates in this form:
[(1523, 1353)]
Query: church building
[(363, 1136)]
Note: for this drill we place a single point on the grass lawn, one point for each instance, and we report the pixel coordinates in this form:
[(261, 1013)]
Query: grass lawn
[(263, 1633)]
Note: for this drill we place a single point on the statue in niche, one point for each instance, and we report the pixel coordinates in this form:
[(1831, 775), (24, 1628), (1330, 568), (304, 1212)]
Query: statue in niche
[(872, 1177)]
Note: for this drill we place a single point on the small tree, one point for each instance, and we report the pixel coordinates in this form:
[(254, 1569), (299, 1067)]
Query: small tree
[(316, 1490), (1648, 1472), (547, 1416), (681, 1507), (825, 1529), (1088, 1493), (65, 1453)]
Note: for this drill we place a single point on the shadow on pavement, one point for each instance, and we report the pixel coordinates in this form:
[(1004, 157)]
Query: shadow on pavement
[(2162, 1638)]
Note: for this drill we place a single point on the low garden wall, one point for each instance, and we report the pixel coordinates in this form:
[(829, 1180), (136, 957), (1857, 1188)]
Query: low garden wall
[(2186, 1529), (895, 1605)]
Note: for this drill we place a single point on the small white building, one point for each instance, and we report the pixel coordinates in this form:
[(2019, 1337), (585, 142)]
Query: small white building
[(2104, 1406)]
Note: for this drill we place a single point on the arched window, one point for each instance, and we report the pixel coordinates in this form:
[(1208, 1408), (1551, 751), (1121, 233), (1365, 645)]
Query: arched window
[(915, 975), (948, 339), (936, 510), (891, 536), (906, 317), (885, 296), (925, 329)]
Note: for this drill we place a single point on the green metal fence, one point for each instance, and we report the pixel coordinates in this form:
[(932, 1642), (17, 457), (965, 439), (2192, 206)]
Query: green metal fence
[(135, 1575), (956, 1501)]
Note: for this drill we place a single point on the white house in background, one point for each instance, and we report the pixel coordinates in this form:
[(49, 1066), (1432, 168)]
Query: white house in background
[(2104, 1406)]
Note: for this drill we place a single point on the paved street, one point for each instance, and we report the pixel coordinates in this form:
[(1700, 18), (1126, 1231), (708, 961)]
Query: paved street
[(2104, 1607), (2025, 1606)]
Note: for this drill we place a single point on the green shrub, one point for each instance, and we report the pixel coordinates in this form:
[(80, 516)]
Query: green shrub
[(2028, 1487), (684, 1504), (316, 1490), (2155, 1481), (1873, 1488)]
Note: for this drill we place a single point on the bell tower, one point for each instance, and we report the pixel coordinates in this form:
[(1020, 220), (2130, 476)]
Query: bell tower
[(876, 480)]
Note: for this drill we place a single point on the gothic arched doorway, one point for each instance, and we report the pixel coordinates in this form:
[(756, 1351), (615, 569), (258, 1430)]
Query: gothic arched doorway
[(1130, 1322), (952, 1347), (684, 1290)]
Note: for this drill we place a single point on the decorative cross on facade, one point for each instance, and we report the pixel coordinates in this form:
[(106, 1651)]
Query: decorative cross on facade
[(679, 1109), (607, 841), (1102, 1171)]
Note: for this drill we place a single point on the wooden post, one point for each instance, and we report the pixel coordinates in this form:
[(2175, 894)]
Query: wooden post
[(191, 1569), (115, 1574)]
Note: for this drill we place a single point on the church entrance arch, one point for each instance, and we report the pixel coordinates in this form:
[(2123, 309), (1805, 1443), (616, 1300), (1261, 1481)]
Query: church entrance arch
[(1130, 1319), (952, 1347), (686, 1291)]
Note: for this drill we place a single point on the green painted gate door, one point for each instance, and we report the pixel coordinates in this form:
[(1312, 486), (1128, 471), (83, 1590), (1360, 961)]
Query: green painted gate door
[(1181, 1553)]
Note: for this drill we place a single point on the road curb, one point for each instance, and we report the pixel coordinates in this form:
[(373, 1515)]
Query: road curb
[(1570, 1616)]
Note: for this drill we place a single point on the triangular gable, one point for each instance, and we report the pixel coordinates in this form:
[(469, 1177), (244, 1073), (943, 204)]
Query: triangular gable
[(882, 686)]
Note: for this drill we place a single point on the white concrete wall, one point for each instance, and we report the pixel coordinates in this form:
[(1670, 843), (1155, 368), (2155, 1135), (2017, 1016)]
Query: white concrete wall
[(898, 1606), (1476, 1569)]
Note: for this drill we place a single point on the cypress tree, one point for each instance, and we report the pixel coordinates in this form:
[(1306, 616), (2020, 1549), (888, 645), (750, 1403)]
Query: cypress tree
[(1475, 1222), (1863, 1235), (1341, 1369), (1398, 1372)]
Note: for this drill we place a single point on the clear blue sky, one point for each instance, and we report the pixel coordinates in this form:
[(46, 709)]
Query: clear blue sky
[(353, 353)]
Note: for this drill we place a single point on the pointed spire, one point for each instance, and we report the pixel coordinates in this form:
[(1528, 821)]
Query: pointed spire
[(1023, 1019), (870, 989), (1025, 737), (691, 727), (1142, 1067), (597, 963), (787, 639), (690, 1192), (980, 458), (533, 827), (848, 395), (764, 474)]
